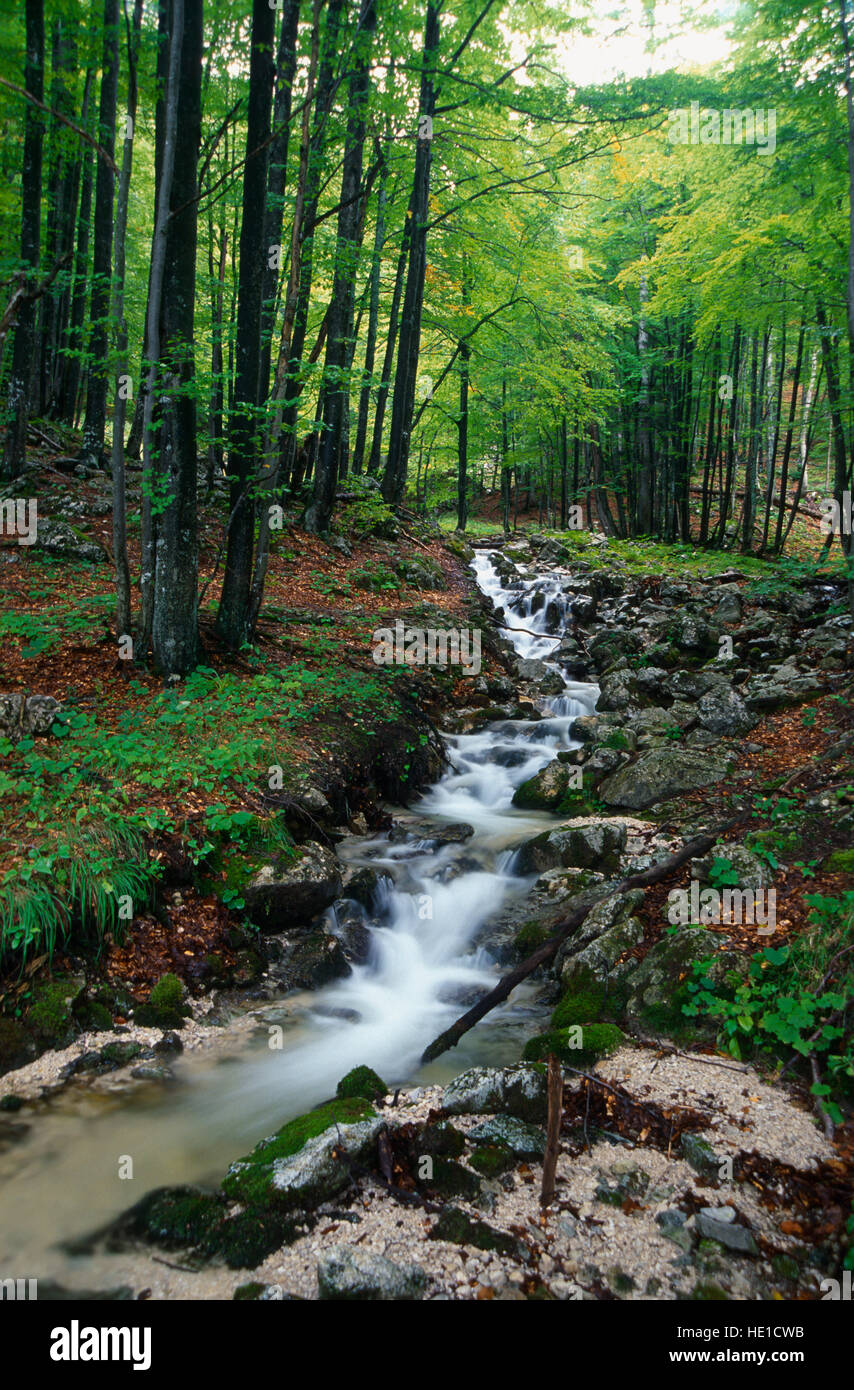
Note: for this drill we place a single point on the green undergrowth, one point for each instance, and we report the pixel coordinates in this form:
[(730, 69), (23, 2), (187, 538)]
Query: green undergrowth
[(796, 1004)]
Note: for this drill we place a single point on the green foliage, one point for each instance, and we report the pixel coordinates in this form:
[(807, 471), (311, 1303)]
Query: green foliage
[(168, 993), (795, 1001)]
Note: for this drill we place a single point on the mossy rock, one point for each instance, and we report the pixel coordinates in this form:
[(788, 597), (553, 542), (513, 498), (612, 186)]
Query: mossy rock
[(296, 1133), (251, 1180), (841, 861), (361, 1082), (248, 1293), (50, 1012), (492, 1160), (450, 1179), (576, 1046), (439, 1140), (174, 1217), (579, 1006)]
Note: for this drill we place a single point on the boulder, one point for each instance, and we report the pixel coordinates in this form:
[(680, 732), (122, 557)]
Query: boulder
[(523, 1140), (723, 711), (362, 1275), (591, 845), (313, 1172), (545, 790), (519, 1091), (60, 538), (282, 896), (659, 774), (606, 933), (666, 965)]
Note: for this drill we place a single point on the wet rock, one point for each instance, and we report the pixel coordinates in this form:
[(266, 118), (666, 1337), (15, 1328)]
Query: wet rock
[(361, 1275), (658, 774), (592, 844), (363, 887), (519, 1091), (282, 896), (545, 790), (309, 1160), (316, 960), (431, 832)]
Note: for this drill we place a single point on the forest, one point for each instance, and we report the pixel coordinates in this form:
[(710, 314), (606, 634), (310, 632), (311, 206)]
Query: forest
[(426, 631)]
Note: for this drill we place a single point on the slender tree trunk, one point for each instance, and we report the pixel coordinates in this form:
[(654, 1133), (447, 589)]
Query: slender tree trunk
[(790, 431), (373, 323), (394, 478), (71, 365), (120, 550), (335, 376), (99, 304), (21, 377)]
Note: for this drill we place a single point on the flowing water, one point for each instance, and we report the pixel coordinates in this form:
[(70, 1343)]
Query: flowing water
[(58, 1179)]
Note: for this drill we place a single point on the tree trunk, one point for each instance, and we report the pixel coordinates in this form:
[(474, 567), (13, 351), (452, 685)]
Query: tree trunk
[(394, 478), (335, 376), (245, 425), (120, 552), (102, 253), (21, 377), (373, 320)]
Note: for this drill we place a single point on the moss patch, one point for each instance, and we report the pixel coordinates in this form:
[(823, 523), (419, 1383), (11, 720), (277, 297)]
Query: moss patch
[(576, 1046), (529, 936), (492, 1160)]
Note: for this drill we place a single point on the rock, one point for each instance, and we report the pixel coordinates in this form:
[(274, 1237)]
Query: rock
[(728, 607), (592, 844), (523, 1140), (782, 685), (535, 672), (60, 538), (363, 887), (607, 932), (361, 1082), (711, 1223), (545, 790), (519, 1091), (654, 983), (658, 774), (316, 960), (33, 715), (699, 1153), (748, 869), (280, 897), (722, 711), (361, 1275), (308, 1161), (431, 832)]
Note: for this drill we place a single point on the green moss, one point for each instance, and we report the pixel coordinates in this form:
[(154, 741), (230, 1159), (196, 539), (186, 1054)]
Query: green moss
[(176, 1216), (50, 1008), (363, 1083), (451, 1179), (168, 993), (248, 1292), (579, 1006), (529, 936), (840, 862), (596, 1040), (492, 1160), (296, 1133)]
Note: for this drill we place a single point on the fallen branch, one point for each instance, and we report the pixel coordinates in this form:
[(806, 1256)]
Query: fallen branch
[(694, 849)]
